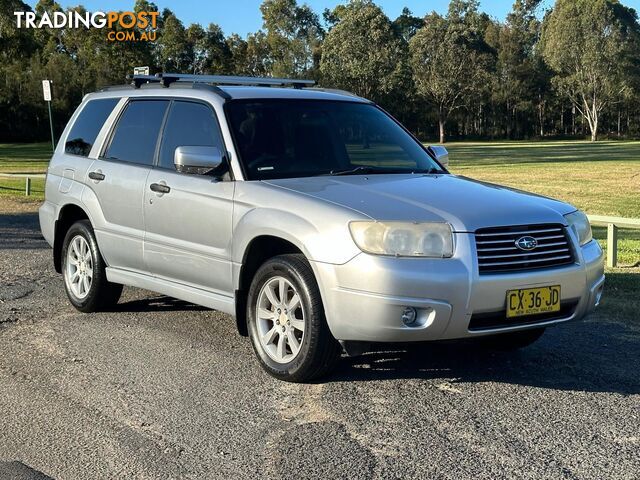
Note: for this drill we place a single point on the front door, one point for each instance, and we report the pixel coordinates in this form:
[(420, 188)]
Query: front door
[(188, 219)]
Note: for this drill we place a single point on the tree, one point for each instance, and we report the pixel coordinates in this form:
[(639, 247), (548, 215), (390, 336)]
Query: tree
[(294, 35), (463, 73), (196, 37), (175, 52), (362, 53), (211, 54), (590, 44), (219, 58), (406, 25), (449, 59), (256, 61), (238, 50), (520, 87), (14, 42)]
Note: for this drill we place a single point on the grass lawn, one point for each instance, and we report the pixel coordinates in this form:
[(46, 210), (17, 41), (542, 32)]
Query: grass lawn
[(621, 298), (599, 178), (24, 157)]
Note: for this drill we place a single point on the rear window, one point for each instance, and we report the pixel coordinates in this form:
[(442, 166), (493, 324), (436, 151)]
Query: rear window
[(87, 126), (136, 134)]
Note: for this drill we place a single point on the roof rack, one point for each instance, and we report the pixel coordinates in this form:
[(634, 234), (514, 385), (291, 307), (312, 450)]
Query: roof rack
[(168, 78)]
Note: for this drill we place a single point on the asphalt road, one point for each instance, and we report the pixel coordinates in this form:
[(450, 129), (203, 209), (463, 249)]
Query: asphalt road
[(164, 389)]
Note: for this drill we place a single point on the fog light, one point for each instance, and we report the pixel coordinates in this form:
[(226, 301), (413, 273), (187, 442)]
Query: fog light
[(409, 316)]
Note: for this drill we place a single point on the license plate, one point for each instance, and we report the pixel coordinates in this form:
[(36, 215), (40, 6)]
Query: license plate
[(533, 301)]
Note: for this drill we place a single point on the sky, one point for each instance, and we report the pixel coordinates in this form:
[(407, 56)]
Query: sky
[(243, 16)]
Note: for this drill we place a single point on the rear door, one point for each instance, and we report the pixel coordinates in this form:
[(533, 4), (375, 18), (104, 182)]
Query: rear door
[(69, 170), (188, 229), (118, 179)]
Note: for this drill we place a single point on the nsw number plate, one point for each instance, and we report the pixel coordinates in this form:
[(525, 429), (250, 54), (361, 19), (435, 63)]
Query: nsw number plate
[(532, 301)]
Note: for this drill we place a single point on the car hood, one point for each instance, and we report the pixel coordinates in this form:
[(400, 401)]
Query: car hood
[(464, 203)]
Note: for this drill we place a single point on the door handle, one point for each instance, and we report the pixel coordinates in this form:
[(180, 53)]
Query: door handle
[(159, 188), (97, 176)]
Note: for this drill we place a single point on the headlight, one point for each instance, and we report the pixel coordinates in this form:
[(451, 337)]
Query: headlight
[(403, 239), (579, 222)]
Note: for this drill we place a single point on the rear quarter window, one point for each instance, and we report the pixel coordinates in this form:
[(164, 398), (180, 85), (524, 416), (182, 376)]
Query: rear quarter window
[(87, 126)]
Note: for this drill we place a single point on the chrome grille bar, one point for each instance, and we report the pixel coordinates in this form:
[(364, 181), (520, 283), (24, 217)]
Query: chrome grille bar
[(554, 237), (524, 232), (483, 250), (528, 261), (525, 254)]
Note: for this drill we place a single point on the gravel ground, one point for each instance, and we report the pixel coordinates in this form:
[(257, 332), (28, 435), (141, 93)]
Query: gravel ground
[(165, 389)]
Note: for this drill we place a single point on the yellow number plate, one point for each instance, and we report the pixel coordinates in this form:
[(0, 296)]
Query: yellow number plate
[(533, 301)]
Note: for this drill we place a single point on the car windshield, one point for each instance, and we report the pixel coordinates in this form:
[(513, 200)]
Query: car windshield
[(279, 138)]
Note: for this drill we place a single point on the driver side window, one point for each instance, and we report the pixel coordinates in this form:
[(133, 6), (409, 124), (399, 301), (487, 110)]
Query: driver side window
[(188, 124)]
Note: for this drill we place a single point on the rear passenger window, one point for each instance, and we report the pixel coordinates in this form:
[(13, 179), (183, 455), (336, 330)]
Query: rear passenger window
[(87, 126), (188, 124), (136, 134)]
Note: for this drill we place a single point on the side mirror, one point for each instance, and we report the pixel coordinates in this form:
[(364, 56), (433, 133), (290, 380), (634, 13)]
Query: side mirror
[(441, 154), (198, 160)]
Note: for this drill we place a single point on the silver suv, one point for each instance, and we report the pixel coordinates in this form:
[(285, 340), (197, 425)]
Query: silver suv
[(310, 215)]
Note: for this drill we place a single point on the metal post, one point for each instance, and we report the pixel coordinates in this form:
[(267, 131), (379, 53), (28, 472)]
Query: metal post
[(612, 245), (53, 143), (27, 189)]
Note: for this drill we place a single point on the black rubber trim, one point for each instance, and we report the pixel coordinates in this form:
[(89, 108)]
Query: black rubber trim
[(490, 320)]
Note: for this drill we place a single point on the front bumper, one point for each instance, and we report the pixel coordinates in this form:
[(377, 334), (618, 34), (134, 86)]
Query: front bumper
[(364, 298)]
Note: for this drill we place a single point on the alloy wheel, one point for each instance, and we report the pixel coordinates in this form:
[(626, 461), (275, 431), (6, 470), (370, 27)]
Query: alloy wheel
[(79, 267), (280, 320)]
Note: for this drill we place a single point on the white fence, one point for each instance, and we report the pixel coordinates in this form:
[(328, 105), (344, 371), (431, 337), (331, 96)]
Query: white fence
[(612, 224), (27, 179)]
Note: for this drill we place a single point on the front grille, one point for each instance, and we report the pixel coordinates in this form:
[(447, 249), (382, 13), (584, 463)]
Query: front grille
[(489, 320), (497, 251)]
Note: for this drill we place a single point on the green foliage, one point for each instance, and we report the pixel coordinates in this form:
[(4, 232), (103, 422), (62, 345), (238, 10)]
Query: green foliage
[(293, 35), (406, 25), (521, 86), (363, 53), (450, 59), (591, 44), (574, 72), (175, 51)]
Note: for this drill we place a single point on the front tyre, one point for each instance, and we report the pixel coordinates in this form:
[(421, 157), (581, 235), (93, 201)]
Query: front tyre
[(286, 321), (83, 269)]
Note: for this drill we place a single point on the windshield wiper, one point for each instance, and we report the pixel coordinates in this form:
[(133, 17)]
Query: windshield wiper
[(368, 169)]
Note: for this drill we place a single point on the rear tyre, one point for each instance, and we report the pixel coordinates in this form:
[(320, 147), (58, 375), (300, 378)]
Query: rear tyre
[(513, 340), (286, 321), (83, 269)]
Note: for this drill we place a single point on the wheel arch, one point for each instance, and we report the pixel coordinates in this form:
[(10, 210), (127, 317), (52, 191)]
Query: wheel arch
[(258, 250), (69, 214)]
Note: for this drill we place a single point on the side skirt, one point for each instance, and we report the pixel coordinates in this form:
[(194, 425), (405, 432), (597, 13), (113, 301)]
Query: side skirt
[(198, 296)]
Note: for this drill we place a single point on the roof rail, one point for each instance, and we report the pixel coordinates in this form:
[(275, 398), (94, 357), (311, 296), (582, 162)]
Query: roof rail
[(337, 91), (168, 78)]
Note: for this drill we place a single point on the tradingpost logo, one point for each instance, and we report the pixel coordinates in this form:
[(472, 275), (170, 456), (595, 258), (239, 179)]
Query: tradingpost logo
[(122, 26)]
